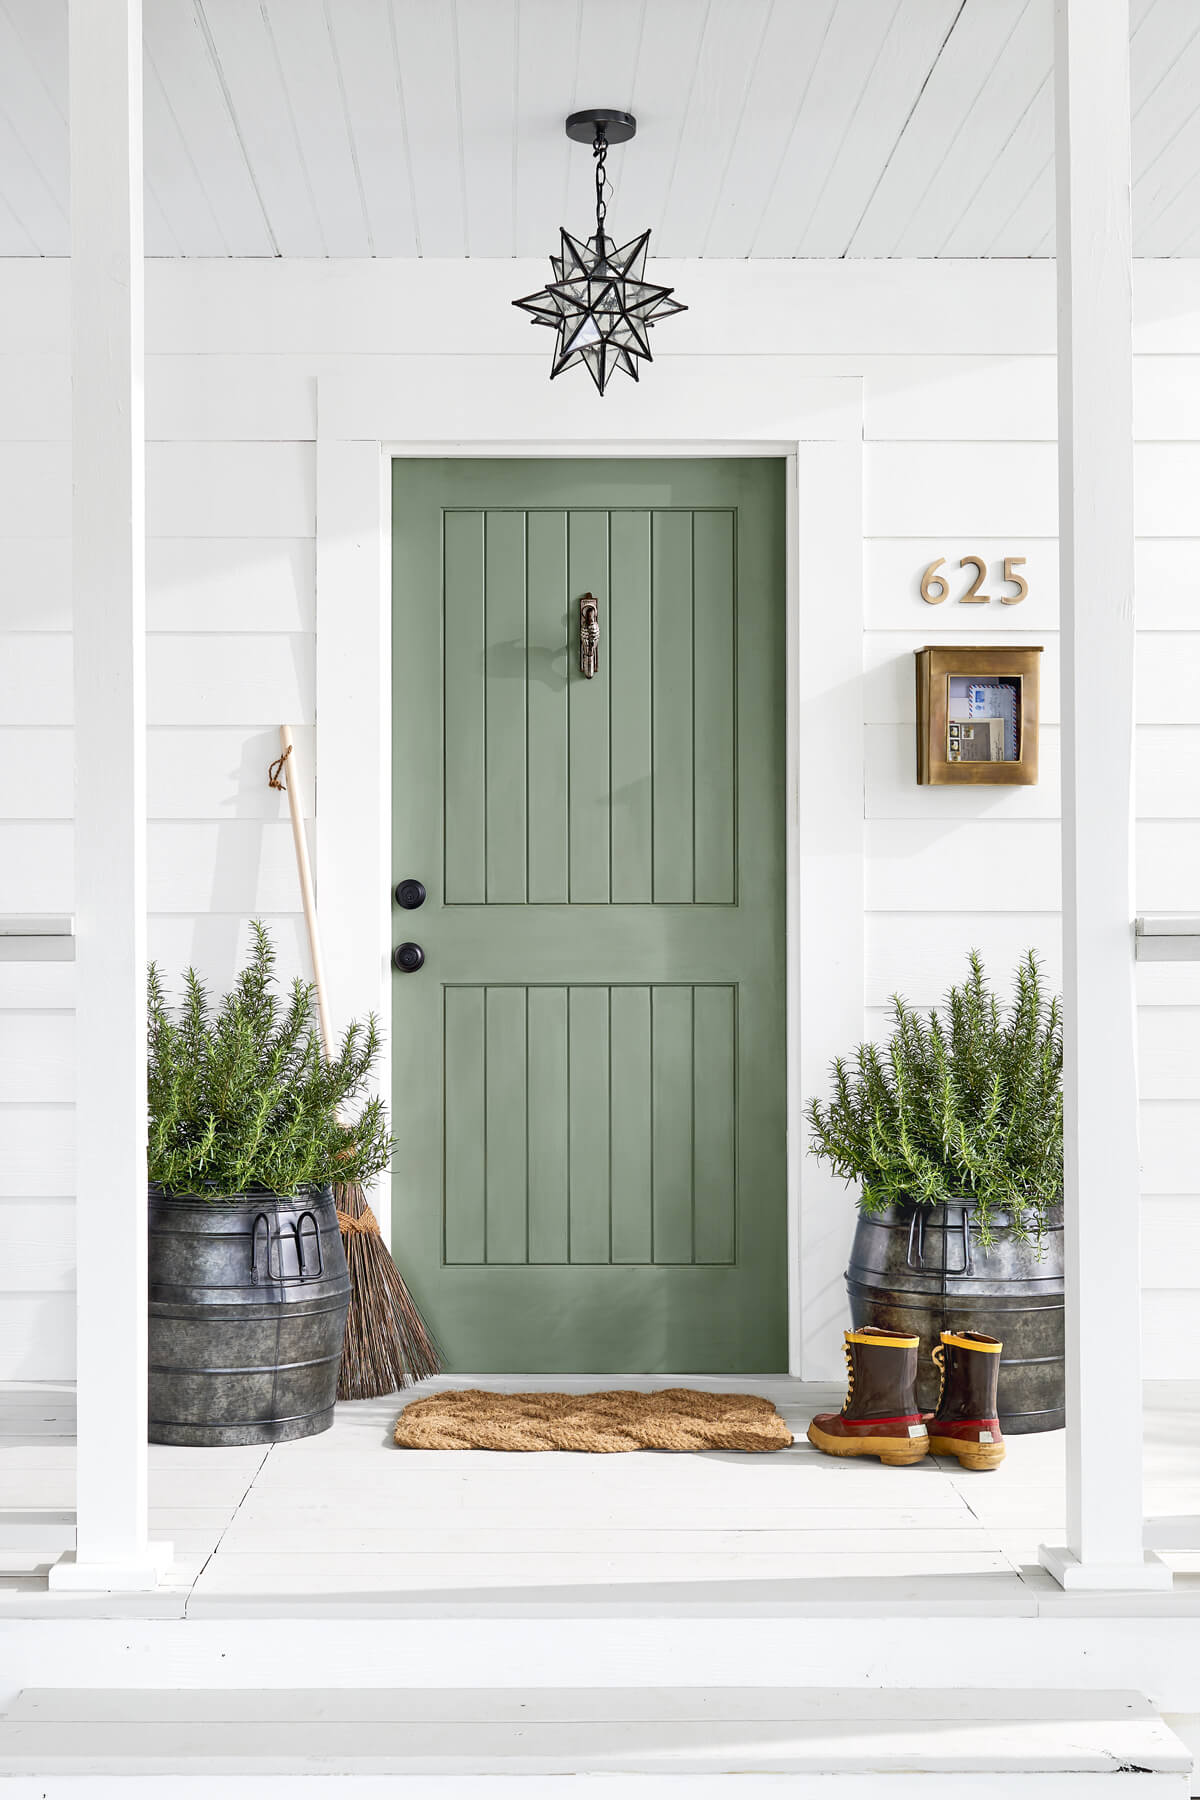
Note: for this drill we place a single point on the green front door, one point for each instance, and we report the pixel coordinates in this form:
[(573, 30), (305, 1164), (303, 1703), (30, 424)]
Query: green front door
[(589, 1066)]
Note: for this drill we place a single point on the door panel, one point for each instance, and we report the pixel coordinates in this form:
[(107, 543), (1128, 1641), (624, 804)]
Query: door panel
[(630, 673), (589, 1103), (714, 666), (464, 816), (589, 737), (546, 706), (552, 795), (590, 1124), (631, 1192)]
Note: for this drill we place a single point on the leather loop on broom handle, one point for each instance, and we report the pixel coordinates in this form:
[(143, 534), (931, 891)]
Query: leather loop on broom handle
[(289, 771)]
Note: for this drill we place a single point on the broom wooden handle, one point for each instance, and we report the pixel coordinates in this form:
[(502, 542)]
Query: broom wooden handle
[(290, 771)]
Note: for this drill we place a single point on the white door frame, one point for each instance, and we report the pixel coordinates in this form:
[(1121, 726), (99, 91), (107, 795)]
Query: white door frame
[(475, 406)]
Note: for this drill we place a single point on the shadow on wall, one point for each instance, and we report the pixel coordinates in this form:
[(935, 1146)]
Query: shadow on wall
[(229, 859), (231, 620)]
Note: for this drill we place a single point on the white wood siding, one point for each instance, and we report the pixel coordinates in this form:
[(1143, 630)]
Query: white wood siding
[(959, 457)]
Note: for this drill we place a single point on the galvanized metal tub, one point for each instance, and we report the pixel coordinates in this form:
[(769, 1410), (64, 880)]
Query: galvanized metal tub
[(925, 1269), (248, 1303)]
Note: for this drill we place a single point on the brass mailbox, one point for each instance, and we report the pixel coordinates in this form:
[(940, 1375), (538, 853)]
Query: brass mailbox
[(977, 714)]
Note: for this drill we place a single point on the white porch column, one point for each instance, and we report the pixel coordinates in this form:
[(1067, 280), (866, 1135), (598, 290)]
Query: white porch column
[(108, 547), (1095, 459)]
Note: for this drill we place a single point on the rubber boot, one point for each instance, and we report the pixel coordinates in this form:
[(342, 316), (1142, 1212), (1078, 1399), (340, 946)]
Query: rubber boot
[(965, 1423), (879, 1416)]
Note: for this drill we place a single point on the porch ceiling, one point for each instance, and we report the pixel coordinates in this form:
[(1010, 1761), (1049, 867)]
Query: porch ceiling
[(768, 128)]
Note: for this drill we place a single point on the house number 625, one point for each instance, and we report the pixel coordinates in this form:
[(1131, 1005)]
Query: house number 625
[(935, 588)]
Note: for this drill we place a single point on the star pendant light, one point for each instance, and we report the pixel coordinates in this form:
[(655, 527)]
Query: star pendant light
[(600, 305)]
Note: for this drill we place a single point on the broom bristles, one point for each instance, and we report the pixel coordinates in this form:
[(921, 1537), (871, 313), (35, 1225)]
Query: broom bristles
[(387, 1342)]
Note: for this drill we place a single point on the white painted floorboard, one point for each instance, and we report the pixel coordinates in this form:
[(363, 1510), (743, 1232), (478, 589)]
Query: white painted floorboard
[(907, 1785), (431, 1738), (345, 1525), (601, 1785)]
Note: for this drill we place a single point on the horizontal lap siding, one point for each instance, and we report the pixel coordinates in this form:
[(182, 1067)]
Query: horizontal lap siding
[(959, 422), (958, 461), (231, 491)]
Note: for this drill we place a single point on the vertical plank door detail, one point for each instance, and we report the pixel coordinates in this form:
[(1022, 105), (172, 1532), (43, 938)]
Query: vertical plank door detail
[(620, 790), (634, 1153), (590, 1066)]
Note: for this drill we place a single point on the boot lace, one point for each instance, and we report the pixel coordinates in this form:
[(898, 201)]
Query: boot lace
[(938, 1354), (849, 1356)]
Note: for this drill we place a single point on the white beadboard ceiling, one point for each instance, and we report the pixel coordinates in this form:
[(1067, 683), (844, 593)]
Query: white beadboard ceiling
[(767, 128)]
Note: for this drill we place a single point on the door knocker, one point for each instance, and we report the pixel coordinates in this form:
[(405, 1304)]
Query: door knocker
[(589, 636)]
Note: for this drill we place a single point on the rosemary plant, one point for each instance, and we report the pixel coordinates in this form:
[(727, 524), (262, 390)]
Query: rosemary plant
[(965, 1103), (241, 1097)]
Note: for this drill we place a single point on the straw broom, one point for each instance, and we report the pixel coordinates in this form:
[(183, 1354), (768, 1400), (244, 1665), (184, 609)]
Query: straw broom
[(387, 1342)]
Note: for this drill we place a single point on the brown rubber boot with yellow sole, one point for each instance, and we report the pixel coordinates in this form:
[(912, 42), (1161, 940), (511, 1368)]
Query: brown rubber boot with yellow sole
[(880, 1416), (965, 1423)]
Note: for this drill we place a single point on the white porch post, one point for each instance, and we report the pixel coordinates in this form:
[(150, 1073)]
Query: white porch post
[(1095, 459), (108, 548)]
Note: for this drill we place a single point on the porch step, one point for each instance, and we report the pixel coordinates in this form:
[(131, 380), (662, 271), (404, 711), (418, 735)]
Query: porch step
[(464, 1743)]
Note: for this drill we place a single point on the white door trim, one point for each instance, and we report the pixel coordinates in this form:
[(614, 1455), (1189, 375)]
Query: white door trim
[(504, 407)]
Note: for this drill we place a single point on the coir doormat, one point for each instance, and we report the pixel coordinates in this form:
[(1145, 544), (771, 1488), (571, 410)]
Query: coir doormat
[(670, 1419)]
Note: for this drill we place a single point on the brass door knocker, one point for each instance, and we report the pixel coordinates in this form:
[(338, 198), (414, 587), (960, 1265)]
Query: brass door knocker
[(589, 636)]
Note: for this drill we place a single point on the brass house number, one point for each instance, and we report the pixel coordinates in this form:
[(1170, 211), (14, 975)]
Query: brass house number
[(935, 588)]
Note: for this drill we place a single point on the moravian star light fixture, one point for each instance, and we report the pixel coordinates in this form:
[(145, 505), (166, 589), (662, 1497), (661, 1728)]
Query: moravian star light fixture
[(600, 305)]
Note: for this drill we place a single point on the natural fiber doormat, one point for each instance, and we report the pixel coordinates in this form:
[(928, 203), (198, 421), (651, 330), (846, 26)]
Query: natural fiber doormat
[(670, 1419)]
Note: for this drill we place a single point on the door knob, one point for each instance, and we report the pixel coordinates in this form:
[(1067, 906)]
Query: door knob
[(410, 894), (408, 958)]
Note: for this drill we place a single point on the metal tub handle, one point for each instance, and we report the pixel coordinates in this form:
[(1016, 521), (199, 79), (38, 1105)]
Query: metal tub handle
[(260, 1251), (308, 1234), (964, 1229), (916, 1238)]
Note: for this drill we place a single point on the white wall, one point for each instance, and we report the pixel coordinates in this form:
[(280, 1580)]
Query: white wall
[(959, 428)]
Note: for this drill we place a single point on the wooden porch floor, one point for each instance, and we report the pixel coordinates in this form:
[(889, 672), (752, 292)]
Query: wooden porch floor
[(346, 1525)]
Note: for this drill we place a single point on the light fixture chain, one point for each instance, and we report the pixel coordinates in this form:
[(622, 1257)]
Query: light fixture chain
[(600, 152)]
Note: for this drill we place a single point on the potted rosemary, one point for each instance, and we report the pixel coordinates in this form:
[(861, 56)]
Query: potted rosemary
[(952, 1130), (249, 1126)]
